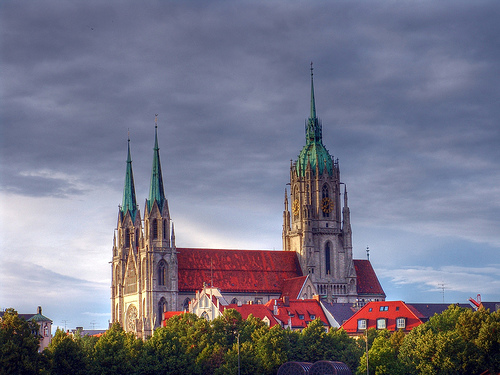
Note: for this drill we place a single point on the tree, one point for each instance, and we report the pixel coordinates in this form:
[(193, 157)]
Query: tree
[(341, 347), (383, 356), (312, 342), (66, 355), (19, 342), (451, 343), (115, 352), (272, 349)]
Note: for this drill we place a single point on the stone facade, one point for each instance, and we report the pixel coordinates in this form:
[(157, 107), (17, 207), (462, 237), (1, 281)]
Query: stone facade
[(150, 275), (317, 225)]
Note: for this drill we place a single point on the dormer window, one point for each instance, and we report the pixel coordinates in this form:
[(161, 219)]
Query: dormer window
[(381, 323), (361, 324), (400, 323)]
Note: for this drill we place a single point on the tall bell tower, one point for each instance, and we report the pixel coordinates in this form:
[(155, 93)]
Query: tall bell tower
[(160, 255), (144, 265), (316, 224)]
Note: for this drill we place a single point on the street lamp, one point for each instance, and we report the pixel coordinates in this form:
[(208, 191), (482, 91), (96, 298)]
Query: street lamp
[(238, 340), (366, 335)]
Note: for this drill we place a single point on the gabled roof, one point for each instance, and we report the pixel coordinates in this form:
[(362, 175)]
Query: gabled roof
[(388, 310), (257, 310), (341, 312), (367, 278), (292, 287), (299, 312), (236, 270)]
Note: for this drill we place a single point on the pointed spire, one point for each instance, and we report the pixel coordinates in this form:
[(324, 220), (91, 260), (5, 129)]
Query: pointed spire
[(156, 191), (313, 126), (129, 202), (313, 103)]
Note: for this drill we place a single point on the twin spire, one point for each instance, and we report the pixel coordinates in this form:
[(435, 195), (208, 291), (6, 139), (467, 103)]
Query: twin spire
[(129, 202), (156, 190)]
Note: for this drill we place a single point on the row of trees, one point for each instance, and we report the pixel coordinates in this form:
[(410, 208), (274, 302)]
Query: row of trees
[(459, 341)]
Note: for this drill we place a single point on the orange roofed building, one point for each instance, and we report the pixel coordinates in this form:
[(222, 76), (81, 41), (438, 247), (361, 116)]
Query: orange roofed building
[(390, 315), (290, 313)]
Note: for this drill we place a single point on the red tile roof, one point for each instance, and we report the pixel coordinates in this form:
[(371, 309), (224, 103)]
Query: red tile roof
[(389, 310), (293, 286), (257, 310), (236, 270), (168, 314), (299, 312), (367, 279)]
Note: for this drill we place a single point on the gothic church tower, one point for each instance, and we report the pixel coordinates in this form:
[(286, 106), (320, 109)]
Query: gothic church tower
[(144, 265), (318, 226)]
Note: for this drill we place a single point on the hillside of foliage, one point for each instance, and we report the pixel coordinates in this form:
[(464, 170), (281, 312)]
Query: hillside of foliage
[(458, 341)]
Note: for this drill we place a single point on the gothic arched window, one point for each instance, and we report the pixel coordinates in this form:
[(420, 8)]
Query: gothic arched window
[(164, 229), (185, 304), (234, 301), (155, 229), (327, 259), (127, 238), (162, 307), (162, 273)]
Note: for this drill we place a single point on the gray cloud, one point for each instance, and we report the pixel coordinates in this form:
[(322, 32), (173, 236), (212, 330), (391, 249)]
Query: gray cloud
[(407, 94)]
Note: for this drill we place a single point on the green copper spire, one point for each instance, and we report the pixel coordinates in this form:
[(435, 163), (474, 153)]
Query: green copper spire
[(129, 202), (156, 191), (314, 152), (313, 104)]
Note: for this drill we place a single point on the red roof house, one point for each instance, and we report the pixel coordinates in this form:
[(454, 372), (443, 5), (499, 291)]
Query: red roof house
[(390, 315), (295, 314)]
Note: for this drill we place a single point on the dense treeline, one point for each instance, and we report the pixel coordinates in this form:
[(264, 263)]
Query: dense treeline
[(459, 341)]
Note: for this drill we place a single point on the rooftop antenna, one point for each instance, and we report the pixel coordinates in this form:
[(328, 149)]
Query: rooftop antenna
[(92, 324), (65, 321), (442, 286), (367, 253)]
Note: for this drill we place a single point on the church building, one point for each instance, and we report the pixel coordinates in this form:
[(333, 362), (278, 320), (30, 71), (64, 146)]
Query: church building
[(151, 275)]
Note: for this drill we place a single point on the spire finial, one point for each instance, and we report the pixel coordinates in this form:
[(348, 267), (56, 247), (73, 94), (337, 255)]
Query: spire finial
[(156, 191), (129, 202), (313, 104)]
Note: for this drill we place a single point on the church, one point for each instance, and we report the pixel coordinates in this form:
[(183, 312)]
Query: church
[(151, 275)]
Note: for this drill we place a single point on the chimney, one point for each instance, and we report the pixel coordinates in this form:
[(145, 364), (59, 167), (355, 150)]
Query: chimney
[(286, 301), (275, 308)]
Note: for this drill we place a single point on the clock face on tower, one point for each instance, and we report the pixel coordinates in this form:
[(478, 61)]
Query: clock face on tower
[(327, 205), (295, 207)]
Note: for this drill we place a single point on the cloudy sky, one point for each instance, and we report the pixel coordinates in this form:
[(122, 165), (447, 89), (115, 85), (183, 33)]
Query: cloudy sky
[(408, 93)]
